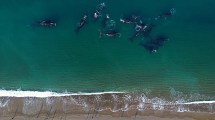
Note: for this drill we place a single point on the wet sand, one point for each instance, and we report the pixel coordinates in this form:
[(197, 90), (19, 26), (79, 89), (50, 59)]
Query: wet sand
[(100, 107), (152, 115)]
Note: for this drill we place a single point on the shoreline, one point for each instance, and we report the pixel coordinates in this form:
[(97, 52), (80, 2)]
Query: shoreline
[(106, 105), (45, 94)]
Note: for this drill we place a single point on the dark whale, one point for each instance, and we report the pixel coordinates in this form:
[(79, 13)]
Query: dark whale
[(110, 33), (98, 11), (81, 23), (154, 44), (109, 28), (141, 29), (105, 21), (46, 23), (166, 14), (150, 47), (129, 19)]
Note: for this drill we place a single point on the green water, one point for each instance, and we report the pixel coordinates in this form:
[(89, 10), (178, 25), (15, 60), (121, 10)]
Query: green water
[(37, 58)]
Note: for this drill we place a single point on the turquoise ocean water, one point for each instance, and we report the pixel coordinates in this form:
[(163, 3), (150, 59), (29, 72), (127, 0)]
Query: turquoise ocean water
[(58, 59)]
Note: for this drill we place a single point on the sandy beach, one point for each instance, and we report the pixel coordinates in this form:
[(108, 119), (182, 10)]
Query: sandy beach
[(100, 107), (156, 115), (81, 117)]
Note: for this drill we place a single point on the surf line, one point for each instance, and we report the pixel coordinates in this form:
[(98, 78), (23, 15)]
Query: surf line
[(20, 93)]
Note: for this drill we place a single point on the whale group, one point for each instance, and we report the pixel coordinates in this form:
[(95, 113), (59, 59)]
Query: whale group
[(109, 27)]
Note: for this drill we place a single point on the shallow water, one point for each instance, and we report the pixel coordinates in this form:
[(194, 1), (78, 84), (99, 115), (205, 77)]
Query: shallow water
[(58, 59)]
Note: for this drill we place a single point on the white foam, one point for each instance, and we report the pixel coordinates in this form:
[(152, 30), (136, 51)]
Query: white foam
[(4, 102), (199, 102), (20, 93)]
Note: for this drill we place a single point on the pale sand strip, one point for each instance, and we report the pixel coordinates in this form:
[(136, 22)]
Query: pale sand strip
[(100, 117), (108, 115)]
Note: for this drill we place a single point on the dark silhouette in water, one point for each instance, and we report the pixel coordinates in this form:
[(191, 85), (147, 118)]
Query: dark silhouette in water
[(98, 11), (129, 19), (47, 23), (150, 47), (154, 44), (141, 29), (110, 33), (160, 40), (105, 21), (166, 14), (81, 23), (109, 28)]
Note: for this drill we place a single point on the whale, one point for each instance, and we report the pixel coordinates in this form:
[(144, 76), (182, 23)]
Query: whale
[(82, 23), (105, 21), (160, 40), (130, 19), (98, 11), (141, 30), (166, 14), (150, 47), (110, 33), (154, 44), (47, 23)]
